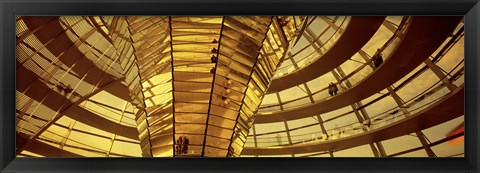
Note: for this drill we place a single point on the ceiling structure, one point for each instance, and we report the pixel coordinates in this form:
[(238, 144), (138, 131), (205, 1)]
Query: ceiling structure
[(141, 86)]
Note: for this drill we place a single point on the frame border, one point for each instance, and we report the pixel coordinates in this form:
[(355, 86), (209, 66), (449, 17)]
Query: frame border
[(10, 8)]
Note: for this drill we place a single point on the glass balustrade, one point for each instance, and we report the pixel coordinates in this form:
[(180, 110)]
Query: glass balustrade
[(414, 105), (354, 77), (303, 56)]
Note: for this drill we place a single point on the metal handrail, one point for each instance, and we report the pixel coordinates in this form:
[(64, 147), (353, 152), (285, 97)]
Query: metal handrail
[(403, 26), (412, 100)]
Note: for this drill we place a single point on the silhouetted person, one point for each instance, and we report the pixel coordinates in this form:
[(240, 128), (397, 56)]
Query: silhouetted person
[(180, 145), (178, 148), (185, 145), (212, 70), (214, 41), (332, 89), (214, 59), (65, 89), (214, 50), (59, 88), (68, 89), (335, 89), (378, 59)]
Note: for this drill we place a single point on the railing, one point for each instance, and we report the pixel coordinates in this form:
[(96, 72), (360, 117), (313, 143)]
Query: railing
[(52, 72), (357, 75), (433, 144), (303, 60), (441, 141), (380, 120)]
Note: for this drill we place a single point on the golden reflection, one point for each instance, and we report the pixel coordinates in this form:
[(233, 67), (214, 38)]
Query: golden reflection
[(192, 86)]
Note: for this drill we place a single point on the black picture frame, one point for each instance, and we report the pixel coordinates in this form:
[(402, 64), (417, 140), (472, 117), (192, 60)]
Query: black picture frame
[(10, 8)]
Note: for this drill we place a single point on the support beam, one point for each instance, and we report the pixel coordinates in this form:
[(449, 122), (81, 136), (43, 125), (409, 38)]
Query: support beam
[(399, 101), (42, 148), (330, 23), (405, 111), (172, 66), (440, 74), (73, 110), (376, 153), (316, 43), (309, 93), (279, 100), (288, 135), (426, 145), (66, 51), (320, 122), (324, 131), (445, 109), (254, 137), (112, 140), (361, 114), (381, 149), (389, 26), (67, 134), (354, 37), (339, 77)]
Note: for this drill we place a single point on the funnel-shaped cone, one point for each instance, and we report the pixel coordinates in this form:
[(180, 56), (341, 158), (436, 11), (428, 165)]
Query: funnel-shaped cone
[(203, 79)]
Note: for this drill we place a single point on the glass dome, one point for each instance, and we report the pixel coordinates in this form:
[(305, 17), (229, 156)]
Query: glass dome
[(240, 86)]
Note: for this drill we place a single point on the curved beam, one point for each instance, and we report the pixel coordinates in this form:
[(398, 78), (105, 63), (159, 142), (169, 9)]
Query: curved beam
[(358, 32), (43, 149), (448, 108), (423, 37), (66, 50), (55, 101)]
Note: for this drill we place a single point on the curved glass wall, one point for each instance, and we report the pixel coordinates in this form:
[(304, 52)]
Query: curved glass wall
[(71, 111), (419, 89), (118, 87), (87, 84), (311, 46), (354, 70)]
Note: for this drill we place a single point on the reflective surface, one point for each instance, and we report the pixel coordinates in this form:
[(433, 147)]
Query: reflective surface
[(173, 86), (180, 86), (356, 71), (420, 88), (311, 46)]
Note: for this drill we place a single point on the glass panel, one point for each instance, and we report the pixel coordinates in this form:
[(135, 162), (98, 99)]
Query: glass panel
[(403, 143), (360, 151), (116, 86)]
